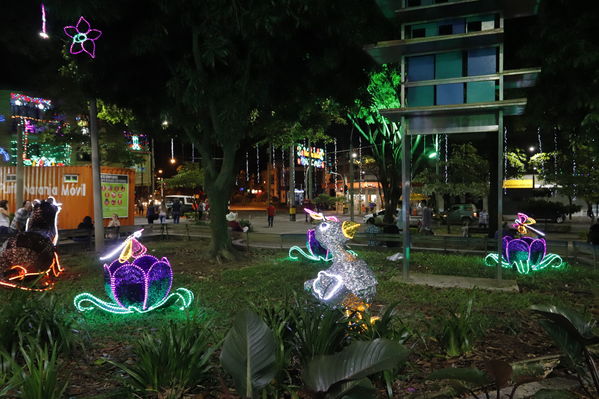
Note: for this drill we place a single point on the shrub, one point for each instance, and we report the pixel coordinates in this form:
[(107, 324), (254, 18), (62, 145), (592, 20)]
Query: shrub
[(39, 375), (41, 317), (459, 330), (172, 361)]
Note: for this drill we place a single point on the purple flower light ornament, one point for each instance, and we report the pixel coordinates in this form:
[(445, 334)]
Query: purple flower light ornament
[(83, 36), (525, 254), (136, 283)]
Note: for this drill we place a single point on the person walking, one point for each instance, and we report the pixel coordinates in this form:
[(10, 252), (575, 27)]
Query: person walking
[(162, 213), (176, 211), (483, 219), (151, 212), (427, 219), (19, 222), (270, 211)]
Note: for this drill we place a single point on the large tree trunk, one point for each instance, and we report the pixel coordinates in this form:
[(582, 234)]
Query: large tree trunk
[(221, 247)]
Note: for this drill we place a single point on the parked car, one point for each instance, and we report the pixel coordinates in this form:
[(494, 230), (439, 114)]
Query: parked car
[(460, 213), (380, 216), (185, 200)]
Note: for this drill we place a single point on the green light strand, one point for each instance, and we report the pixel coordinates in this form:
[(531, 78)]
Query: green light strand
[(524, 266), (181, 297)]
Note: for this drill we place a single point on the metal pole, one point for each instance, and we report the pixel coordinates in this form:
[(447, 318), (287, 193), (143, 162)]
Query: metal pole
[(20, 168), (96, 180), (291, 191), (405, 192), (152, 167), (500, 156), (351, 180)]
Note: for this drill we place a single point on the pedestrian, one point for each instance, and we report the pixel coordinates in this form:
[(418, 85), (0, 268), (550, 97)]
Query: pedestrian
[(483, 219), (140, 208), (270, 211), (176, 211), (308, 205), (151, 212), (19, 222), (162, 212), (114, 226), (427, 219), (466, 229), (4, 217), (201, 210)]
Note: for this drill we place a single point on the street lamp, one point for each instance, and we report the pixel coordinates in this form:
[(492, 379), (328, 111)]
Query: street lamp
[(165, 124), (531, 149), (173, 160)]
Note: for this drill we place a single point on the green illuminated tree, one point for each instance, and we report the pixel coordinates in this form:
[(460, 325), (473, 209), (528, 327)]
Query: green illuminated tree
[(189, 175)]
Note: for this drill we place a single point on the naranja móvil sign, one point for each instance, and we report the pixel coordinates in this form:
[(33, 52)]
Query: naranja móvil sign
[(72, 186)]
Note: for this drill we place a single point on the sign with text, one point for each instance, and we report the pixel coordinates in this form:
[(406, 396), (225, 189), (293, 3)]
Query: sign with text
[(115, 195), (305, 154)]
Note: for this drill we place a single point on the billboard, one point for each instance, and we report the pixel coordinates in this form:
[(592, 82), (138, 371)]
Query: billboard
[(115, 195), (305, 154)]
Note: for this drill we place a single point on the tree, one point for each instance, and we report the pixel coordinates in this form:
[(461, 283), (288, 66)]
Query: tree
[(189, 175), (467, 173), (572, 171), (564, 44), (213, 66), (384, 136)]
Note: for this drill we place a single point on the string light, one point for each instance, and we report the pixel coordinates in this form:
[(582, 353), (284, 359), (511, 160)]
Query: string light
[(44, 33), (83, 37), (258, 164), (247, 167), (540, 147), (446, 158)]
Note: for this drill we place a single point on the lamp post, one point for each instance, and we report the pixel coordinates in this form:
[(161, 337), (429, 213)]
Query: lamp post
[(352, 157)]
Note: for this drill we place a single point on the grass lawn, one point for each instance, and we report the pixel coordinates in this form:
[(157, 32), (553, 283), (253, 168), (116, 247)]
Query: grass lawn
[(506, 328)]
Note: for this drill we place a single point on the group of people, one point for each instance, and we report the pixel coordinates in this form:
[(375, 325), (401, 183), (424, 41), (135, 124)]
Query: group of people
[(155, 211), (19, 222)]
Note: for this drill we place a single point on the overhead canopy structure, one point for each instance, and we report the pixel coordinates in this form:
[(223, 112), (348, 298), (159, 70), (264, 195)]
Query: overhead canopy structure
[(451, 54)]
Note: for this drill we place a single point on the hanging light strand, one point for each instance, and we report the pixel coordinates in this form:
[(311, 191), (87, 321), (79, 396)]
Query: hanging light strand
[(446, 158)]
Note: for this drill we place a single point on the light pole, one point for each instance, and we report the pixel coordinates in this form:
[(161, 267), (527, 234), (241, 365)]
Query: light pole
[(352, 157), (342, 179)]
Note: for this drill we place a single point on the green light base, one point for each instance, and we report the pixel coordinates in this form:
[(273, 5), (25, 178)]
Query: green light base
[(181, 297), (552, 261)]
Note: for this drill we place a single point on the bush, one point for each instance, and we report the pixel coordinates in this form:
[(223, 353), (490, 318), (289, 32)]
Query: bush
[(42, 318), (543, 209), (39, 376), (172, 361), (459, 330)]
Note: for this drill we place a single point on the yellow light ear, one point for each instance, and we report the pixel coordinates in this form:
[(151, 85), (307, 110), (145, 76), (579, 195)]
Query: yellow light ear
[(349, 228), (126, 252)]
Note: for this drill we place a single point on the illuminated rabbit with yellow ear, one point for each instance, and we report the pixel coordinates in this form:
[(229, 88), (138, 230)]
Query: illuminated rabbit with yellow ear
[(348, 277)]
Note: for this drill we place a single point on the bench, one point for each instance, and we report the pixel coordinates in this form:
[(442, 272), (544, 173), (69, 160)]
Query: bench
[(70, 236)]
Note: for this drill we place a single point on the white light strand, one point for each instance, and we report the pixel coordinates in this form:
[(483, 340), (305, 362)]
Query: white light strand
[(172, 148), (540, 147), (554, 149), (336, 157), (446, 158), (282, 167), (193, 152), (258, 165), (360, 164), (504, 156), (247, 167)]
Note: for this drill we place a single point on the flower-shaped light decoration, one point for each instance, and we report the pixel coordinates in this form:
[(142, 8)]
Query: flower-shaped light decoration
[(83, 36), (525, 254), (136, 283)]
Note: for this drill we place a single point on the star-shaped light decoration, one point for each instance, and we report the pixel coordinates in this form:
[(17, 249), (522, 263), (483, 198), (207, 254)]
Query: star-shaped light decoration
[(83, 37)]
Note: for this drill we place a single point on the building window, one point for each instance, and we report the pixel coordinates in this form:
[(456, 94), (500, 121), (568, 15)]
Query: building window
[(70, 178), (421, 32), (11, 178), (474, 26), (445, 30)]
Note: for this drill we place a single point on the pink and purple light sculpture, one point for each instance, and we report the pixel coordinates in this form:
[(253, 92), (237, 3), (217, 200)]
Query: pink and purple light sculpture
[(83, 37), (136, 282)]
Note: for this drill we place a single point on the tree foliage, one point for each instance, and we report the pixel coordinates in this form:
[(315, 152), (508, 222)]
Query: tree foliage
[(467, 173), (189, 175), (566, 46)]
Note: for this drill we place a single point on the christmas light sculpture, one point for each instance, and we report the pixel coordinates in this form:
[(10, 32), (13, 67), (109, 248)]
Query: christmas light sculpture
[(315, 251), (525, 254), (348, 282), (28, 260), (83, 36), (135, 282)]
